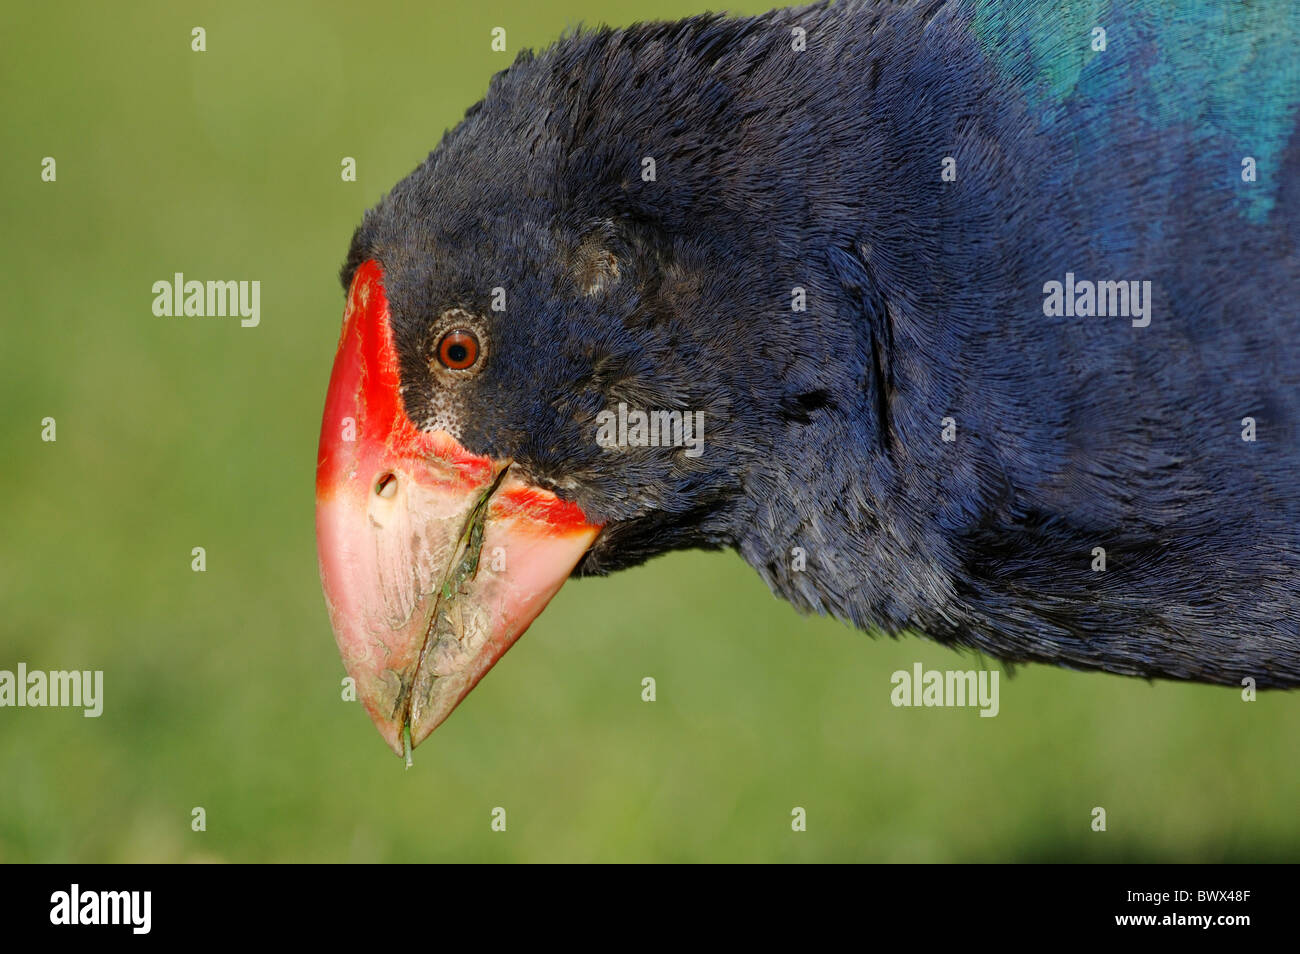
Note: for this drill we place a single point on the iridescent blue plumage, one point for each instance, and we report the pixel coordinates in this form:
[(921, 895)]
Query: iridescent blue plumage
[(1216, 80)]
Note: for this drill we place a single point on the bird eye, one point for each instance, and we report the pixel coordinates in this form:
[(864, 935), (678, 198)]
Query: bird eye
[(458, 350)]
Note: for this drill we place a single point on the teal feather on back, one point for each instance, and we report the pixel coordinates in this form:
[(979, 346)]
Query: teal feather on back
[(1222, 78)]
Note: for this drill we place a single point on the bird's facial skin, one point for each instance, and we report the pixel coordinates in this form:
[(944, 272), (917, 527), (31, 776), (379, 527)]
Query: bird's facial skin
[(433, 559)]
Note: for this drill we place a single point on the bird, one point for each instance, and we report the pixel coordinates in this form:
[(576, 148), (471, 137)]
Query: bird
[(970, 321)]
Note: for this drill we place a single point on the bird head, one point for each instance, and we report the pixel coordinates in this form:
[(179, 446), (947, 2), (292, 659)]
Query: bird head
[(470, 456)]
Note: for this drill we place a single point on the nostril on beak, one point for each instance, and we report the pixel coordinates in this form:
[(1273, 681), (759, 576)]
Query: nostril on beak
[(386, 486)]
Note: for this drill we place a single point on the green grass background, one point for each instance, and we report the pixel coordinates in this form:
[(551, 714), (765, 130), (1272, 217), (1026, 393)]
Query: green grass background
[(222, 689)]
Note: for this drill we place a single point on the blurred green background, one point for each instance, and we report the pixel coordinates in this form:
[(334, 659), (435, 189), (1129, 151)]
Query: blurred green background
[(222, 688)]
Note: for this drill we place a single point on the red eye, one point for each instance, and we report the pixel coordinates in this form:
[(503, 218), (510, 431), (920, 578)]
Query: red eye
[(458, 349)]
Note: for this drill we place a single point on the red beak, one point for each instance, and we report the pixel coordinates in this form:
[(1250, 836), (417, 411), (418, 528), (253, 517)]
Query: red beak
[(433, 560)]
